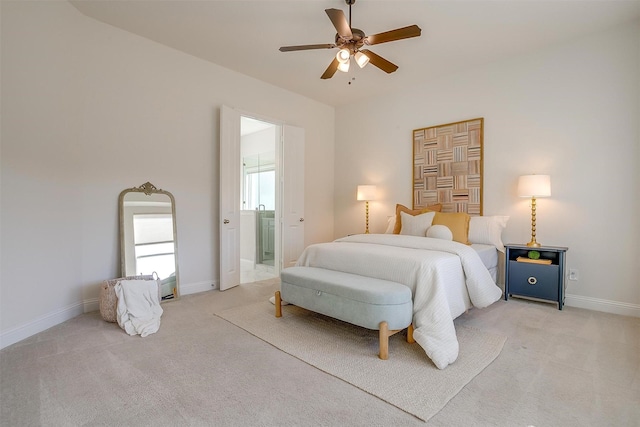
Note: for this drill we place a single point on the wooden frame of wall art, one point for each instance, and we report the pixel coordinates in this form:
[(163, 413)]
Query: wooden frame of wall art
[(447, 166)]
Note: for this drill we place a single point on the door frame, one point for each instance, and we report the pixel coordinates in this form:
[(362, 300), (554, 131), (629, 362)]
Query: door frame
[(289, 238)]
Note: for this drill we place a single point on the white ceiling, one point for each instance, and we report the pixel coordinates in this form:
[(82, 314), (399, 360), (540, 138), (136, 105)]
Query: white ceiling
[(244, 36)]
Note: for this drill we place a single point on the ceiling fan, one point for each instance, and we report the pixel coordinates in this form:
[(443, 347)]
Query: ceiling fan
[(350, 41)]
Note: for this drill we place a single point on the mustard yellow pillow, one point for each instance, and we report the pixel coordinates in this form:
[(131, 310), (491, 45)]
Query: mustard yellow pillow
[(457, 222), (413, 212)]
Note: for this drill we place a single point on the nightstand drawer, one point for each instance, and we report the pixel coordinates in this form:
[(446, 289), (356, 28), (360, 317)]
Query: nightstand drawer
[(533, 280)]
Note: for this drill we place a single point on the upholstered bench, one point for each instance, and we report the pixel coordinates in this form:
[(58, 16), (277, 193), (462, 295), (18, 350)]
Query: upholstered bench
[(363, 301)]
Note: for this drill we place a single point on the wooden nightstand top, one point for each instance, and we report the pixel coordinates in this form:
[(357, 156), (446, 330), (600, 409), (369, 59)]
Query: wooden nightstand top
[(541, 248)]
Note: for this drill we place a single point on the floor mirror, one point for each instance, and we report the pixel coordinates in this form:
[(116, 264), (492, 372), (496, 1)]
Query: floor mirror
[(148, 237)]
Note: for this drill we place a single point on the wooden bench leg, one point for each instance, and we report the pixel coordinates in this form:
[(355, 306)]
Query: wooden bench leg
[(278, 304), (384, 334), (384, 341), (410, 334)]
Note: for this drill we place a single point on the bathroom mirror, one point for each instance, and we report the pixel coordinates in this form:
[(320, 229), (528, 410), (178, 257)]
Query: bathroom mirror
[(148, 237)]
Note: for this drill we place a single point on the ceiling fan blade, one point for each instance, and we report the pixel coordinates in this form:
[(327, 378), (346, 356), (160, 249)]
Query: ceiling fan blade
[(306, 47), (340, 22), (393, 35), (331, 69), (380, 62)]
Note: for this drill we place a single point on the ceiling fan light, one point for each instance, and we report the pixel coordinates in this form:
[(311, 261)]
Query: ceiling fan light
[(343, 56), (361, 59), (343, 66)]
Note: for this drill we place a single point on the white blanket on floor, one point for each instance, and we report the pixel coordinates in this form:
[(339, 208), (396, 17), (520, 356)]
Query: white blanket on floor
[(428, 267), (138, 310)]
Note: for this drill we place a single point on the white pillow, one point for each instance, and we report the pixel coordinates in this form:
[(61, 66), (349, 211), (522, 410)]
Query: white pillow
[(416, 225), (391, 224), (439, 231), (487, 230)]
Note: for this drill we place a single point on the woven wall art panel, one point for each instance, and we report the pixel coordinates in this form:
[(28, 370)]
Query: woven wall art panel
[(447, 166)]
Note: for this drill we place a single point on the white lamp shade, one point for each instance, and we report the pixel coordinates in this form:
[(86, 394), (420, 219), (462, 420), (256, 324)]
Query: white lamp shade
[(534, 186), (361, 59), (343, 55), (343, 66), (366, 192)]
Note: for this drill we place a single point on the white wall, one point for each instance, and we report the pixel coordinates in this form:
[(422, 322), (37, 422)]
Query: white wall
[(571, 111), (89, 110)]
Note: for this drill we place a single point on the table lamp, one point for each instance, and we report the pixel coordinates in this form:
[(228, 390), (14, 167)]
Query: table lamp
[(366, 193), (534, 186)]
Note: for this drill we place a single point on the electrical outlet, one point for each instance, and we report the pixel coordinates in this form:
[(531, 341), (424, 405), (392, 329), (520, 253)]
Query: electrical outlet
[(573, 274)]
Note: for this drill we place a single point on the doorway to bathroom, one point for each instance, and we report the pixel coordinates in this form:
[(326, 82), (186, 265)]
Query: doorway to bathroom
[(259, 198), (289, 196)]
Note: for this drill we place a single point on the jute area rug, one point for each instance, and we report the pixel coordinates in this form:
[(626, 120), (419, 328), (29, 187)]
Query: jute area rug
[(407, 380)]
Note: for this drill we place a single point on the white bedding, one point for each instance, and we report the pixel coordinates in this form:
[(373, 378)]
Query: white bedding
[(489, 256), (443, 276)]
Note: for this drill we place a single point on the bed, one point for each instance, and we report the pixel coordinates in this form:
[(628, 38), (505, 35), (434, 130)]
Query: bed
[(446, 277), (443, 249)]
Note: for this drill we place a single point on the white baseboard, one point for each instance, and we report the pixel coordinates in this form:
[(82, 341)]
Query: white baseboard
[(606, 306), (194, 288), (47, 321), (91, 304), (40, 324)]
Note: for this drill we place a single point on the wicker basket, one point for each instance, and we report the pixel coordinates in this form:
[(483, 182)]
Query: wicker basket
[(109, 300)]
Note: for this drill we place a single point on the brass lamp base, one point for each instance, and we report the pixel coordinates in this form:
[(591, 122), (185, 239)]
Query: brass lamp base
[(533, 243), (366, 228)]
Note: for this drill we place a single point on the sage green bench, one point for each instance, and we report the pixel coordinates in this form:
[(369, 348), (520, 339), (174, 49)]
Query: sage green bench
[(363, 301)]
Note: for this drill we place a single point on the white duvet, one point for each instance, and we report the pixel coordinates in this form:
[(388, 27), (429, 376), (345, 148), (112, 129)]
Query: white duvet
[(441, 275)]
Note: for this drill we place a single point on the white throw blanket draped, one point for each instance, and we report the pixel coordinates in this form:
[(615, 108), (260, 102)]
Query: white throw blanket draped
[(139, 308), (427, 266)]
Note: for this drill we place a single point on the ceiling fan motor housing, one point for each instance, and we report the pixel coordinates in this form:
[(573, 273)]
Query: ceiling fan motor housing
[(356, 42)]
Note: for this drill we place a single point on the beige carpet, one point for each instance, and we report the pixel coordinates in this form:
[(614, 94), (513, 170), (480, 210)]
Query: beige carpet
[(408, 380)]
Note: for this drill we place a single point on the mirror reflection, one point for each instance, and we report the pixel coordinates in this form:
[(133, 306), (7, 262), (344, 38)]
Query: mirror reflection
[(148, 238)]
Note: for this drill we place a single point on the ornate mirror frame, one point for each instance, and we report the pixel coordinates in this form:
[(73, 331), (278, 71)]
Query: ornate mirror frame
[(149, 190)]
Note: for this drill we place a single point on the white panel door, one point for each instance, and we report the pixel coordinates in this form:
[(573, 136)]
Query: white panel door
[(292, 195), (230, 179)]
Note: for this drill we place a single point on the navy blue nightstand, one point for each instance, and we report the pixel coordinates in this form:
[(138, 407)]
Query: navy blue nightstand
[(543, 279)]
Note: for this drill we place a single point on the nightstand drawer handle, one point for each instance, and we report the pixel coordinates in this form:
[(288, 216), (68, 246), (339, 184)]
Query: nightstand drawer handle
[(532, 280)]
